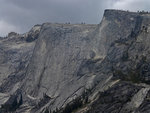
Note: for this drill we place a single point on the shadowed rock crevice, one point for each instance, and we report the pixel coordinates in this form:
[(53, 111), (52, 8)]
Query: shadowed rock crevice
[(12, 103)]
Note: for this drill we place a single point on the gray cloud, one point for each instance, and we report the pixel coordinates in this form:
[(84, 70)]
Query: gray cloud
[(21, 15)]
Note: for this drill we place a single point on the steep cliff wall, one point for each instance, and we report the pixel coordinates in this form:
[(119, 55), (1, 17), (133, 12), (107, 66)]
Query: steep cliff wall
[(68, 60), (87, 68)]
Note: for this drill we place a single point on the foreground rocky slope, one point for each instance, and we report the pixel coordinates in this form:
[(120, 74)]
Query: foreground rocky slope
[(66, 68)]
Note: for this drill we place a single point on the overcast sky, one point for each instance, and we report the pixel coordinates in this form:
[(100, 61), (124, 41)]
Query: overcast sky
[(21, 15)]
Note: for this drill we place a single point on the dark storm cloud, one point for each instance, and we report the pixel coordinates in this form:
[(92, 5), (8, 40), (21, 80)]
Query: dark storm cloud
[(21, 15)]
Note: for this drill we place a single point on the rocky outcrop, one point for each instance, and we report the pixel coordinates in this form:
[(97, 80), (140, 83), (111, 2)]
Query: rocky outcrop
[(33, 33), (15, 54), (79, 68)]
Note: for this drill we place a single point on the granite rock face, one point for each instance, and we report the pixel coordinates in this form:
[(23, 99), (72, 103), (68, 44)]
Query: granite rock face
[(15, 54), (78, 68)]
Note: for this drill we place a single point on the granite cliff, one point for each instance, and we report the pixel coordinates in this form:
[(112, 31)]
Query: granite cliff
[(78, 68)]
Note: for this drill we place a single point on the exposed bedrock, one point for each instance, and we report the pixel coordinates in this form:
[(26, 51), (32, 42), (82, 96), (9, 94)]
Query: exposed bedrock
[(79, 68)]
